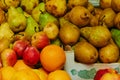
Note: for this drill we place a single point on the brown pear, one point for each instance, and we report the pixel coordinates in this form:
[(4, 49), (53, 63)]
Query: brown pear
[(107, 17), (68, 33), (79, 16), (115, 4), (56, 7), (73, 3), (117, 20), (105, 3), (98, 36), (85, 52), (109, 53)]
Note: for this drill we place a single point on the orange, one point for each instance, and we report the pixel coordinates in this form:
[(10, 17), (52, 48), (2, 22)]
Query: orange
[(7, 72), (52, 57), (59, 75), (21, 65), (25, 74), (41, 73)]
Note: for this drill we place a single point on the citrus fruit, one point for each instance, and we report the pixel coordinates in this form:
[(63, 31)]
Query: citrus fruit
[(25, 74), (52, 57), (59, 75), (7, 72), (19, 65), (41, 73)]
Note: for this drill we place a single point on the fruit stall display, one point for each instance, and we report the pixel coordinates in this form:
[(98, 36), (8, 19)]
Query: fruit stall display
[(59, 40)]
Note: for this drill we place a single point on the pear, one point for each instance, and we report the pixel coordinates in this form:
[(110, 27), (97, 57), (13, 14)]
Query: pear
[(79, 16), (38, 10), (5, 4), (94, 21), (31, 28), (85, 52), (68, 33), (98, 36), (51, 30), (45, 18), (115, 5), (105, 4), (73, 3), (20, 36), (6, 36), (109, 53), (56, 41), (97, 12), (116, 36), (14, 3), (90, 7), (117, 20), (6, 32), (56, 7), (2, 16), (16, 19), (29, 5), (2, 5), (4, 44), (107, 17)]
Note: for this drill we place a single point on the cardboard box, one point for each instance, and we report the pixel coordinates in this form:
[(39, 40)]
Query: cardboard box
[(79, 71)]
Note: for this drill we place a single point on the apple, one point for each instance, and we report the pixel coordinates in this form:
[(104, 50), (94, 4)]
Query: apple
[(31, 56), (8, 57), (40, 40), (19, 46), (110, 76), (107, 74)]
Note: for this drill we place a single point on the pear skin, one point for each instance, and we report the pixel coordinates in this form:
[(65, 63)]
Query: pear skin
[(28, 5), (16, 19), (56, 7), (6, 32), (46, 18), (68, 33), (38, 10), (98, 36), (31, 28)]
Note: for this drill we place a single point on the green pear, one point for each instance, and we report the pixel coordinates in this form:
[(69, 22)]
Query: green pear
[(69, 33), (16, 19), (32, 27), (98, 36), (46, 18), (6, 32), (116, 36), (38, 10), (4, 44), (6, 36), (29, 5), (56, 41)]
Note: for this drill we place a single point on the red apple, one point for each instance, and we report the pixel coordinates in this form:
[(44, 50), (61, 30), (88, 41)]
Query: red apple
[(8, 57), (40, 40), (100, 73), (19, 46), (31, 56), (107, 74)]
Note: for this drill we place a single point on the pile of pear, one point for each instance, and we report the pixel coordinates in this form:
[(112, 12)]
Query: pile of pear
[(93, 33)]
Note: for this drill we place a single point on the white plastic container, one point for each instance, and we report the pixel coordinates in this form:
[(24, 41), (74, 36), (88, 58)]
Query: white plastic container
[(95, 3), (79, 71)]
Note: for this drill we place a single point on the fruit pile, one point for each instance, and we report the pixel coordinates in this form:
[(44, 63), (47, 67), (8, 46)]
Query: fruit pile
[(35, 33)]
